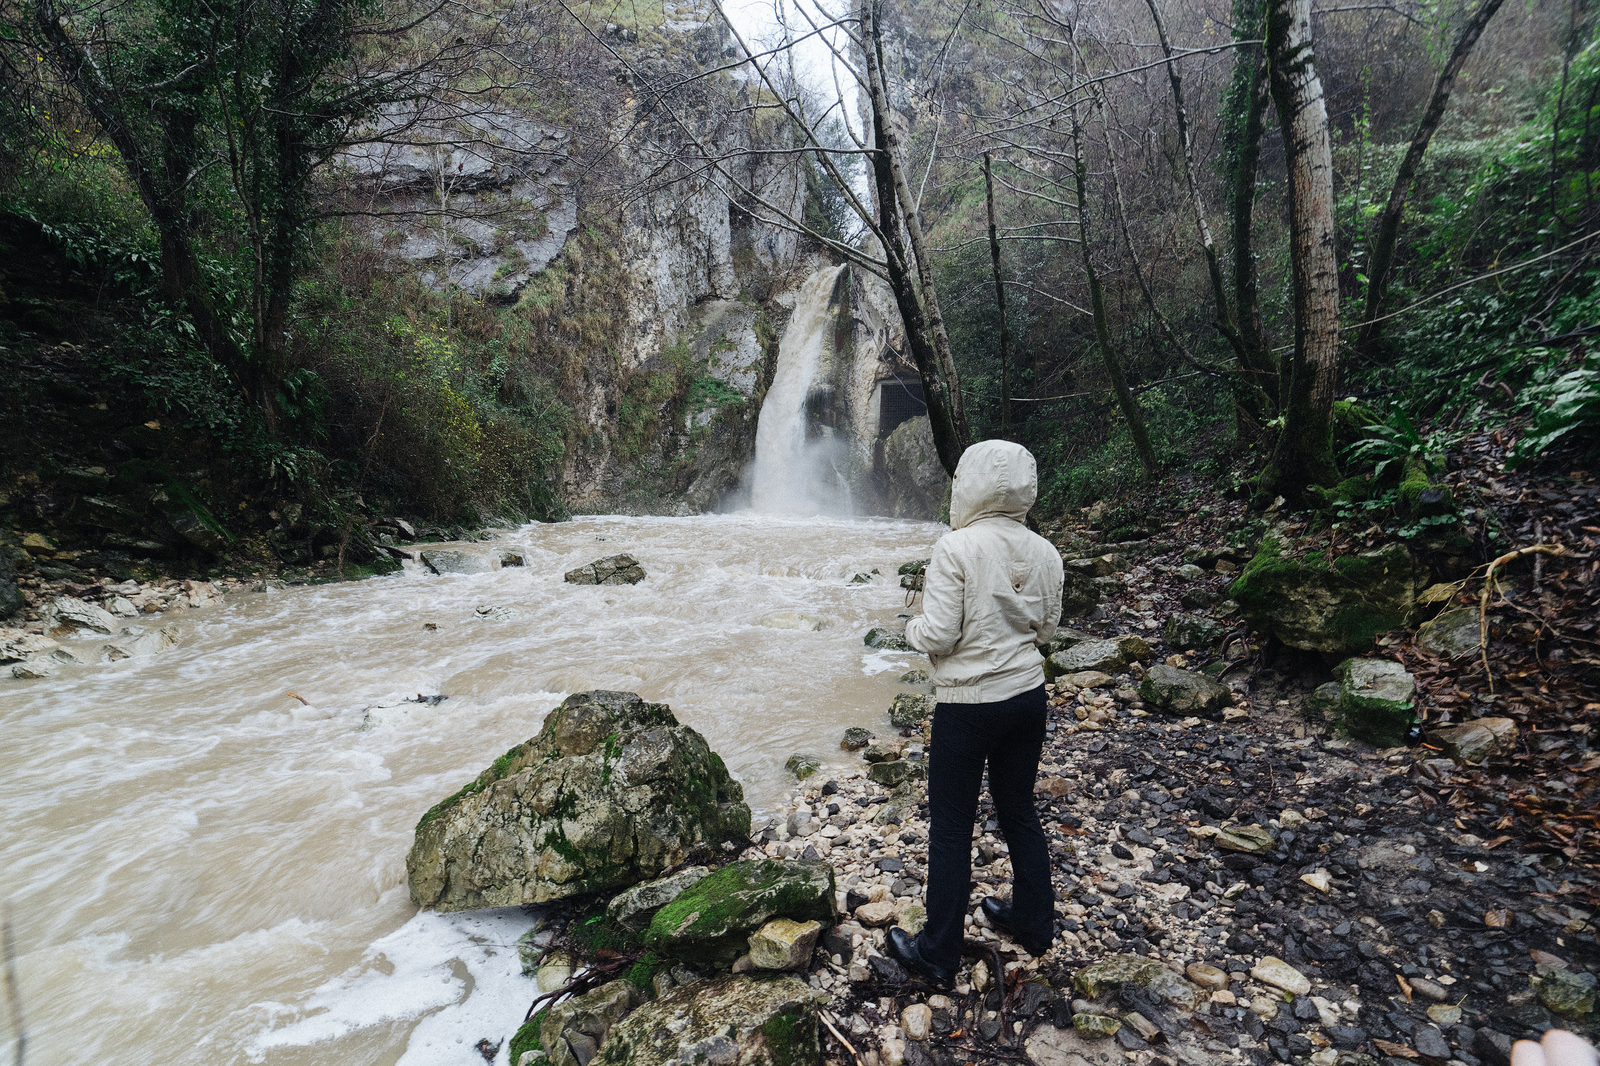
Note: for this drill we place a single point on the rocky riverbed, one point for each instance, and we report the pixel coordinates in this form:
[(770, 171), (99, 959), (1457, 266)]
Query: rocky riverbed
[(1314, 905)]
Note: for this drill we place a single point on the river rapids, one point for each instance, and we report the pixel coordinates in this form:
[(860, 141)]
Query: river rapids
[(202, 868)]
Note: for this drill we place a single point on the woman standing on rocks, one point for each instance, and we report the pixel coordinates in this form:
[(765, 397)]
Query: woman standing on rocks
[(991, 596)]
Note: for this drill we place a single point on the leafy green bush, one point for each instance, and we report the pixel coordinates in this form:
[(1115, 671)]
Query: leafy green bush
[(1398, 444), (1567, 407)]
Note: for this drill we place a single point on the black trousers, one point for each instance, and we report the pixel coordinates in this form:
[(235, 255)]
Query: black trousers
[(1008, 736)]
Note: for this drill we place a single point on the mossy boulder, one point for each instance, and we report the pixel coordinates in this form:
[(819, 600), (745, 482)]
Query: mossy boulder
[(1350, 423), (748, 1019), (909, 709), (1114, 971), (1065, 638), (895, 772), (1334, 606), (1454, 634), (612, 792), (1183, 692), (711, 922), (802, 764), (1376, 697)]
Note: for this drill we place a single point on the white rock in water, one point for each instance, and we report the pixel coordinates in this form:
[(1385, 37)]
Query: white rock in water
[(122, 607), (451, 561), (1279, 974), (75, 614), (17, 645), (131, 642)]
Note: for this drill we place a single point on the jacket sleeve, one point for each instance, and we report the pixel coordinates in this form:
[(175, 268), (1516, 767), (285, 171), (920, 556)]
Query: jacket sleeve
[(937, 630), (1053, 585)]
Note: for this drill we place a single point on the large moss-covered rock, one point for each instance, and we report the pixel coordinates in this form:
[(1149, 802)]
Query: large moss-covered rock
[(1376, 697), (611, 792), (712, 920), (1336, 607), (743, 1019)]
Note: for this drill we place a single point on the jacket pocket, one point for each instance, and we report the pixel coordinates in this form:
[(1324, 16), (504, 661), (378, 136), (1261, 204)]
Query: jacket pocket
[(1019, 574)]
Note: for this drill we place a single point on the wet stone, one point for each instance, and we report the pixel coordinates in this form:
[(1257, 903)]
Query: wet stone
[(1430, 1042)]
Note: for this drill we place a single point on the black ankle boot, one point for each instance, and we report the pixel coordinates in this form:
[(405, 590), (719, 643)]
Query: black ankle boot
[(998, 911), (903, 949)]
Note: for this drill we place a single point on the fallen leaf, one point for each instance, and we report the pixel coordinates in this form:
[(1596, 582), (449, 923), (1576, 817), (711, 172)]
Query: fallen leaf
[(1496, 919), (1495, 843), (1405, 986), (1398, 1050)]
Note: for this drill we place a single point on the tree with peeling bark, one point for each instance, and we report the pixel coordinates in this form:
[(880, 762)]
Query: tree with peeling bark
[(1303, 456)]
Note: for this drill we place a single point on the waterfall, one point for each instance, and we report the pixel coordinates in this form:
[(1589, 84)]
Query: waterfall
[(795, 471)]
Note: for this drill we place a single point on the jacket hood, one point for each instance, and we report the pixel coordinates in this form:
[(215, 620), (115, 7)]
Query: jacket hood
[(994, 479)]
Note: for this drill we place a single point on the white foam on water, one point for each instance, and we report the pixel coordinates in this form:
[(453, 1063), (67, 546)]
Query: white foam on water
[(464, 962)]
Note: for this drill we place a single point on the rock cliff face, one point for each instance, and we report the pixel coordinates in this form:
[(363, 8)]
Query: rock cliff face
[(663, 399)]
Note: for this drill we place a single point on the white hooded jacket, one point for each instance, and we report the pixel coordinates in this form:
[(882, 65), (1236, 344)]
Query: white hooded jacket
[(992, 594)]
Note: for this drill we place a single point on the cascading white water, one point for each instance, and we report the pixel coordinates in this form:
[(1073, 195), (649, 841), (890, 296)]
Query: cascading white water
[(202, 869), (794, 472)]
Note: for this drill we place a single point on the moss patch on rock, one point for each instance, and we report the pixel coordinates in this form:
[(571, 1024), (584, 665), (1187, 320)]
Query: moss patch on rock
[(711, 922)]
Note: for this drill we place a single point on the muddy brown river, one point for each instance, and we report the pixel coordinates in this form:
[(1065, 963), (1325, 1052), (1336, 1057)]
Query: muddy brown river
[(201, 868)]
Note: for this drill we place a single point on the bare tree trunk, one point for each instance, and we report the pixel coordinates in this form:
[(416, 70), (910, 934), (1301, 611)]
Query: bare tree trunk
[(1389, 224), (925, 332), (1000, 304), (1239, 381), (1225, 320), (890, 147), (1248, 99), (1304, 455), (1097, 306)]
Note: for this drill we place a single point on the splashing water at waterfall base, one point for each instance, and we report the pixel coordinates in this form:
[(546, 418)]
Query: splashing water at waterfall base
[(797, 471)]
